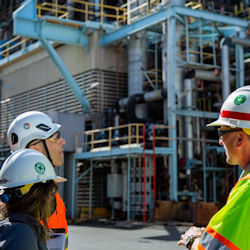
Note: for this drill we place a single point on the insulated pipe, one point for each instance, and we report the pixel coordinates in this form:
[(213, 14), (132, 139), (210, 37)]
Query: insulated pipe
[(137, 57), (188, 84), (225, 67), (147, 97), (241, 41), (210, 76)]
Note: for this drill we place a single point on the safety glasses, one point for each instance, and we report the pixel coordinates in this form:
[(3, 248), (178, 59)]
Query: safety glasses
[(55, 136), (223, 132)]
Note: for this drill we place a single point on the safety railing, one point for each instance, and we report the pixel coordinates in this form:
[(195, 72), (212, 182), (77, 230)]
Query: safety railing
[(194, 5), (129, 135), (136, 10), (195, 50), (15, 44), (241, 11), (83, 11)]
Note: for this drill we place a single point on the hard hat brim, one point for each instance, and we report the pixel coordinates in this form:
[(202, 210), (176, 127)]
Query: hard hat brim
[(221, 122), (59, 179)]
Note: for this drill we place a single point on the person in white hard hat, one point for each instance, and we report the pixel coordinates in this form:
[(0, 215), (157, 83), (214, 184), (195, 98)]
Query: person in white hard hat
[(35, 130), (28, 187), (229, 227)]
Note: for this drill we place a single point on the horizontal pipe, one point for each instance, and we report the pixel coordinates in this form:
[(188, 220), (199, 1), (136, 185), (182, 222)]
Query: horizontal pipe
[(147, 97), (210, 76), (241, 41)]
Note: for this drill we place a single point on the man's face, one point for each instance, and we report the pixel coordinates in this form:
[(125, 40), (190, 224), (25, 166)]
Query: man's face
[(228, 140), (55, 146)]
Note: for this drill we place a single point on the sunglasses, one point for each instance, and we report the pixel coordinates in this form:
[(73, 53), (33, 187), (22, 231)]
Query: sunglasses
[(55, 136), (223, 132)]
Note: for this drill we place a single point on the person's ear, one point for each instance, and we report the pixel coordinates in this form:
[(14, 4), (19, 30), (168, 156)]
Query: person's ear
[(240, 138)]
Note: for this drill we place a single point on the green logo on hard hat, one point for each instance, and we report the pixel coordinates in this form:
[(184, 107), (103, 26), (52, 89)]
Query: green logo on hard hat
[(240, 99), (40, 168)]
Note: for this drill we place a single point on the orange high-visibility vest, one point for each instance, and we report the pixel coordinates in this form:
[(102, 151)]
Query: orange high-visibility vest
[(58, 219)]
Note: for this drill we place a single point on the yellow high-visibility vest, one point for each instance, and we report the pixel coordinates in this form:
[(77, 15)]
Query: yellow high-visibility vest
[(229, 228)]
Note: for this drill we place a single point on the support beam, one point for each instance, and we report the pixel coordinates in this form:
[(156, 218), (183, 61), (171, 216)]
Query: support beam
[(66, 75), (163, 15), (26, 23), (130, 29), (210, 16)]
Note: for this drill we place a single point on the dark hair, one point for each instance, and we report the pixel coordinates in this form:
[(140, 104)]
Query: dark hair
[(39, 202)]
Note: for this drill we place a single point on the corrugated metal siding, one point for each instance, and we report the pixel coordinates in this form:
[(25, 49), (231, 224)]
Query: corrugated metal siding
[(99, 87)]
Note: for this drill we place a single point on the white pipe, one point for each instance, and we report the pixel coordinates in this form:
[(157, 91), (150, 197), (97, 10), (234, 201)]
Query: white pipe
[(210, 76), (225, 68)]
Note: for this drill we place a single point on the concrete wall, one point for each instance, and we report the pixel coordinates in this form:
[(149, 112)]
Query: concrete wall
[(38, 69)]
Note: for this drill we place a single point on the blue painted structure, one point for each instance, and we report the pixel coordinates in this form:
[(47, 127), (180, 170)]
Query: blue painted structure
[(27, 24), (114, 153), (48, 29)]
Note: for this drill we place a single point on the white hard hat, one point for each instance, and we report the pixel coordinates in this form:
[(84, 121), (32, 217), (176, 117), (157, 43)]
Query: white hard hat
[(26, 166), (235, 111), (30, 126)]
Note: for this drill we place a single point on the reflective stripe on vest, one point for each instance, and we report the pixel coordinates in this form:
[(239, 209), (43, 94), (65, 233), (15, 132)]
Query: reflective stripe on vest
[(229, 227), (213, 240)]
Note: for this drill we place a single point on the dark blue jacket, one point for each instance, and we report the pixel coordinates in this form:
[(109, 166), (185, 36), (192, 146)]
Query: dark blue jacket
[(22, 232)]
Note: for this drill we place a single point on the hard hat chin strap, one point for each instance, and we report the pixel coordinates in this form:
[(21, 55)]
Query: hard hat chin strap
[(47, 151)]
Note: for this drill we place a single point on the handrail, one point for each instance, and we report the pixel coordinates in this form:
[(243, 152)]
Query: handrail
[(10, 46), (90, 10), (130, 135)]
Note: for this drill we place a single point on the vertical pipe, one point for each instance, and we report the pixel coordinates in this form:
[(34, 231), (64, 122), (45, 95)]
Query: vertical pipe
[(239, 65), (128, 201), (239, 54), (213, 47), (187, 39), (137, 51), (188, 85), (204, 160), (73, 188), (144, 175), (156, 65), (214, 187), (1, 91), (125, 185), (164, 70), (154, 165), (171, 103), (90, 188), (225, 68)]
